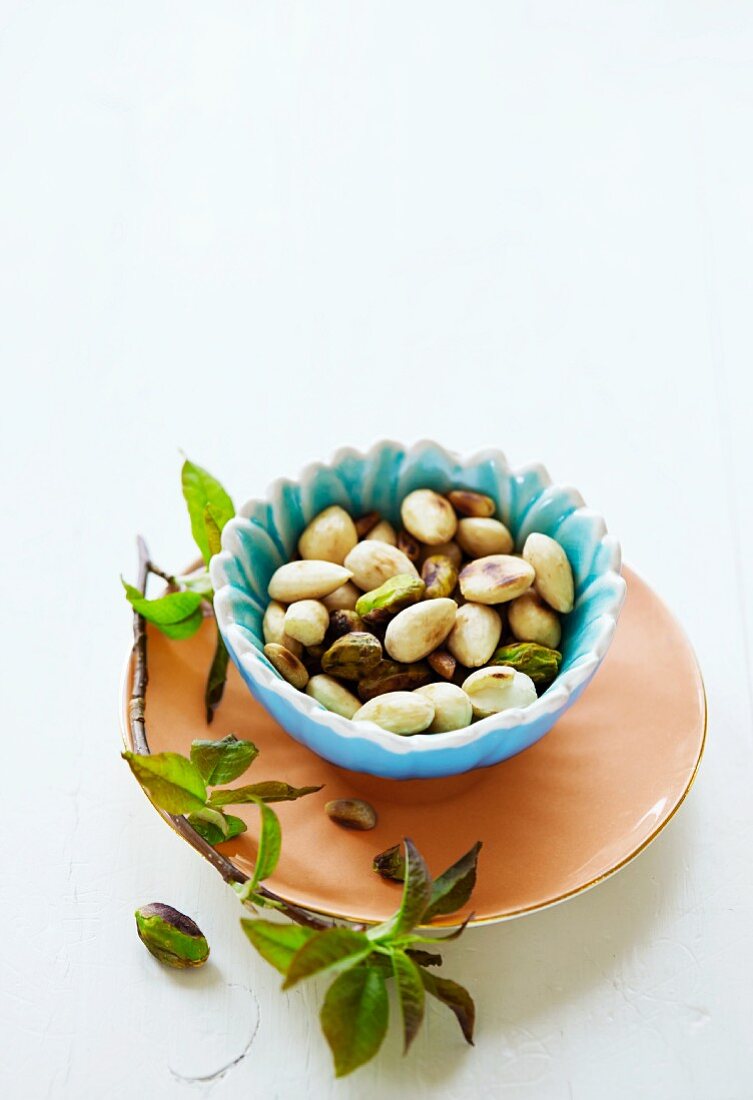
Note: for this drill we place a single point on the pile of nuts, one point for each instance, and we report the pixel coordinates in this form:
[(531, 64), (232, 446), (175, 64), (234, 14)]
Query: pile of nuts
[(403, 628)]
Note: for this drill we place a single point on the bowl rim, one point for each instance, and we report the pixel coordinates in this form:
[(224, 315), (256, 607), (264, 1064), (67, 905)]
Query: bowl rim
[(548, 706)]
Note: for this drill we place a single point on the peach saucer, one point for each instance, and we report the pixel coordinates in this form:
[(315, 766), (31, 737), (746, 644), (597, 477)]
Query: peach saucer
[(554, 821)]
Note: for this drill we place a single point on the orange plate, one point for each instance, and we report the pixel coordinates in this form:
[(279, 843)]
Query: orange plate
[(554, 820)]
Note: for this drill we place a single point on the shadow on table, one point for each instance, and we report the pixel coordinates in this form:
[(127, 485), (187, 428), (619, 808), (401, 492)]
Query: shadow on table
[(527, 971)]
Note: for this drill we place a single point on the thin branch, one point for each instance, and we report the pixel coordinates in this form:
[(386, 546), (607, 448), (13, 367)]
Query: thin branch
[(137, 722)]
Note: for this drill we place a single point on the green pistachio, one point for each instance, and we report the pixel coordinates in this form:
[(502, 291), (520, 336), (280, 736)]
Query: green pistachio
[(391, 676), (439, 575), (170, 936), (383, 602), (352, 656), (537, 661)]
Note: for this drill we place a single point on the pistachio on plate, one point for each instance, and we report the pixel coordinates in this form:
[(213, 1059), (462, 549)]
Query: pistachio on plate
[(351, 813)]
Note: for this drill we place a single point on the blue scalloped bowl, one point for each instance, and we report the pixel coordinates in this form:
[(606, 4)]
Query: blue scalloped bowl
[(265, 534)]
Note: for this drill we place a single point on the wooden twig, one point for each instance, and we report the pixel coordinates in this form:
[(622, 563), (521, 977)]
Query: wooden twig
[(137, 723)]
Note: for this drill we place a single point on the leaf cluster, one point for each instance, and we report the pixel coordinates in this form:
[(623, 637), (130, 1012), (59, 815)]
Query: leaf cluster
[(355, 1013)]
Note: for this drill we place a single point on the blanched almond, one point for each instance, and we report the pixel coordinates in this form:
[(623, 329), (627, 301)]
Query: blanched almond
[(333, 695), (329, 537), (306, 580), (371, 563), (498, 688), (452, 707), (383, 532), (475, 634), (481, 537), (532, 621), (273, 628), (554, 575), (307, 621), (343, 598), (415, 632), (429, 517), (398, 711), (496, 578)]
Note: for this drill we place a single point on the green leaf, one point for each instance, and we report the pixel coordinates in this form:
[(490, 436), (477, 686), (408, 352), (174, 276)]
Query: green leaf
[(454, 887), (216, 680), (333, 947), (213, 527), (457, 999), (424, 958), (269, 791), (270, 843), (224, 760), (178, 614), (215, 831), (411, 994), (201, 490), (198, 581), (416, 894), (277, 943), (172, 782), (354, 1017)]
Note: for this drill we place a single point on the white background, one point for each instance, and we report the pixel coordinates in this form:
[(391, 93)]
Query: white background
[(258, 231)]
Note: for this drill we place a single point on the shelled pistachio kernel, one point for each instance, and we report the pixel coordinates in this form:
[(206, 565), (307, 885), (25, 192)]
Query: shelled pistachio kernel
[(392, 676), (531, 620), (495, 579), (452, 707), (383, 532), (306, 580), (333, 695), (351, 813), (329, 537), (539, 662), (475, 634), (287, 664), (497, 688), (480, 537), (343, 598), (440, 576), (343, 622), (379, 605), (554, 575), (402, 712), (418, 630), (273, 628), (171, 936), (467, 503), (307, 621), (429, 517), (366, 523), (443, 663), (410, 546), (352, 656), (371, 563)]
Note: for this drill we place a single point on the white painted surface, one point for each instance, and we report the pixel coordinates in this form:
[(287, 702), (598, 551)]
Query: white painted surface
[(518, 224)]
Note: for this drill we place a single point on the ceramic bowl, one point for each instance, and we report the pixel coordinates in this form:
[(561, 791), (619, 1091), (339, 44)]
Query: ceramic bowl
[(265, 534)]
